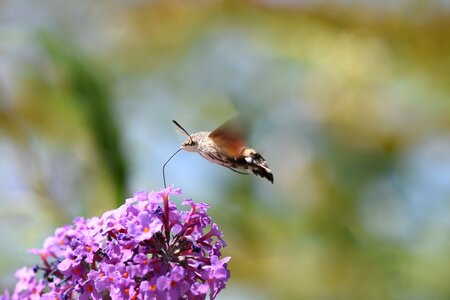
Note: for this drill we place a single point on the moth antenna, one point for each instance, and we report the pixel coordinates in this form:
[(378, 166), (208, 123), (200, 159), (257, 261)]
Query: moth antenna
[(182, 129), (164, 175)]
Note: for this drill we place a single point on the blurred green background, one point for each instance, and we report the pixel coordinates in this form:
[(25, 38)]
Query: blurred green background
[(348, 101)]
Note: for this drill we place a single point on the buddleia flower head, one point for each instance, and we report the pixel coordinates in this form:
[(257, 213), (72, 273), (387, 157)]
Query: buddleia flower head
[(145, 249)]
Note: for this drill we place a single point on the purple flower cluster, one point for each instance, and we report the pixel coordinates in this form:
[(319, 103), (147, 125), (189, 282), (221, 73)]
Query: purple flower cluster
[(145, 249)]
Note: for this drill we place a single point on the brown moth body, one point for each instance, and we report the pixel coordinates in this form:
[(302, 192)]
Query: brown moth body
[(225, 146)]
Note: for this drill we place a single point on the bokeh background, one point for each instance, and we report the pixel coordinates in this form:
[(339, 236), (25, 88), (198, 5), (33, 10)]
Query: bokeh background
[(347, 100)]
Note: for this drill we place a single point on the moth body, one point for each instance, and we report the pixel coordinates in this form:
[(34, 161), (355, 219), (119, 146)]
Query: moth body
[(227, 151)]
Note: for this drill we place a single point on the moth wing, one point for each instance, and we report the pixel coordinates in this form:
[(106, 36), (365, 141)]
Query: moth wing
[(230, 137)]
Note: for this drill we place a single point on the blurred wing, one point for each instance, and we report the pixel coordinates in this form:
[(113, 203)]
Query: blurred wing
[(230, 137)]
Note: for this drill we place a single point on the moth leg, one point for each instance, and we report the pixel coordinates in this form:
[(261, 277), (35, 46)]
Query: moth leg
[(239, 172)]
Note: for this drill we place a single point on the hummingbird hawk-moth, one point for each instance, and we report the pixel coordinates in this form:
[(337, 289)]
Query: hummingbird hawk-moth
[(226, 146)]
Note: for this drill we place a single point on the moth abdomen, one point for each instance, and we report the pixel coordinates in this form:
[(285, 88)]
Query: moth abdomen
[(263, 172), (256, 163)]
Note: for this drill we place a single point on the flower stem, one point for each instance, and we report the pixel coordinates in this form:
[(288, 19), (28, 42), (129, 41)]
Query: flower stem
[(166, 218)]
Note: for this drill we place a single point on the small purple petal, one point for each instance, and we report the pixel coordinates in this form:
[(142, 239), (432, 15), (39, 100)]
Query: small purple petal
[(163, 283)]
